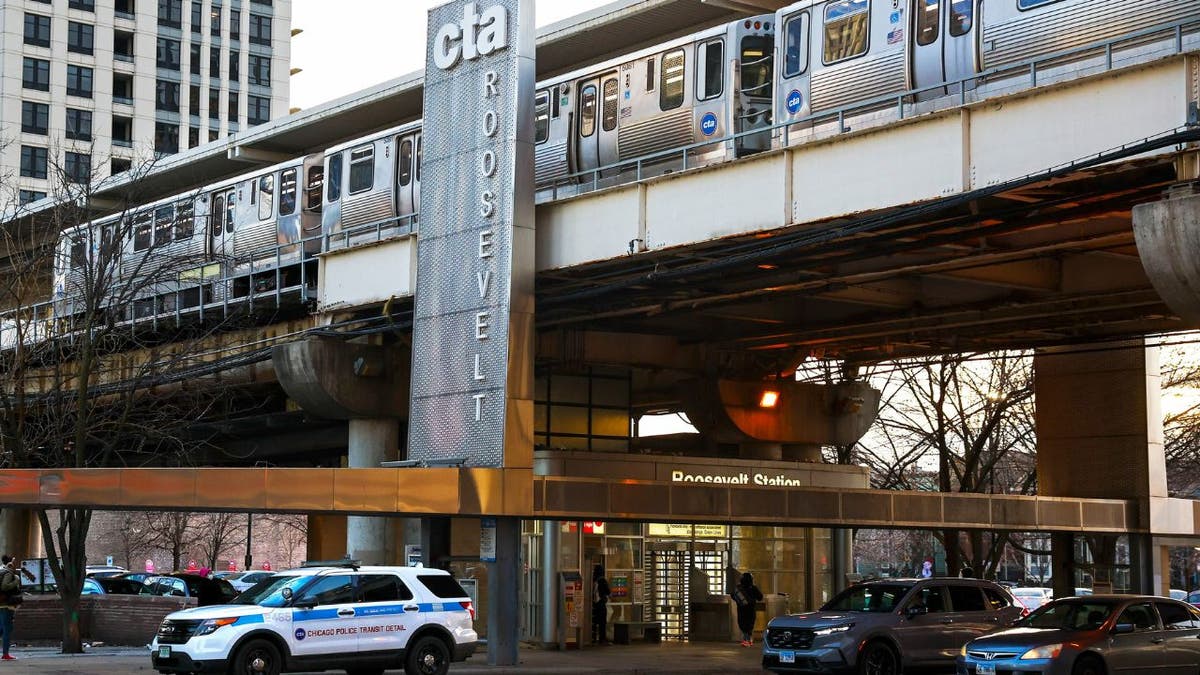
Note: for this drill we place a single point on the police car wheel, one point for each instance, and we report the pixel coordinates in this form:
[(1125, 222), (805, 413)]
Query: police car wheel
[(257, 657), (428, 656)]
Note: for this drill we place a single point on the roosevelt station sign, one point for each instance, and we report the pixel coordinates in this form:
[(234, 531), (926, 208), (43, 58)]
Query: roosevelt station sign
[(473, 339)]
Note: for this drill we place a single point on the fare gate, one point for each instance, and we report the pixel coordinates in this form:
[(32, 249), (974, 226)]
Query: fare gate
[(669, 570)]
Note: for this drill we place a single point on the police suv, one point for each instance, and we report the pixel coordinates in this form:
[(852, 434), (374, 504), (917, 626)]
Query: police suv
[(359, 619)]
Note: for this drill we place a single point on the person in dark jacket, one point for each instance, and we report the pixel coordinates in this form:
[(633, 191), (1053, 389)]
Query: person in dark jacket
[(746, 597), (600, 593)]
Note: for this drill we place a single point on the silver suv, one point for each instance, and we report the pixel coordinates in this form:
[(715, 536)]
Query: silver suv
[(883, 627)]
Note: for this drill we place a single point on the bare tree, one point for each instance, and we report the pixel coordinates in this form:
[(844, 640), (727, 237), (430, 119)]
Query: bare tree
[(170, 531), (290, 531), (1180, 371), (216, 533)]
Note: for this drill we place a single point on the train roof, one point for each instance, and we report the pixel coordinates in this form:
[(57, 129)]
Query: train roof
[(403, 128)]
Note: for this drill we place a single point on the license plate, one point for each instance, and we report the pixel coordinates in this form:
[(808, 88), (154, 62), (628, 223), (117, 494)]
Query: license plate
[(985, 669), (164, 652), (787, 657)]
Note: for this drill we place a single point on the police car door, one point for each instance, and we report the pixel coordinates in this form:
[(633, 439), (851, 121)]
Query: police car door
[(324, 620), (387, 614)]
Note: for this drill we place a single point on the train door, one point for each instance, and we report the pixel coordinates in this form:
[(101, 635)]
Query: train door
[(944, 38), (756, 68), (792, 95), (220, 222), (406, 179), (710, 93), (596, 133)]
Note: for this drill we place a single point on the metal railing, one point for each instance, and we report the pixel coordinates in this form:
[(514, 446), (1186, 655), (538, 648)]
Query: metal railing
[(905, 104)]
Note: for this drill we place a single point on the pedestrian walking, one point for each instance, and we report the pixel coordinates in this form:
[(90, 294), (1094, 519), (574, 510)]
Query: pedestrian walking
[(746, 597), (10, 598), (600, 593)]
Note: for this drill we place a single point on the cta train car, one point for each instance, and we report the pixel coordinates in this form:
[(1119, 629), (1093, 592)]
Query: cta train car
[(708, 85), (372, 185)]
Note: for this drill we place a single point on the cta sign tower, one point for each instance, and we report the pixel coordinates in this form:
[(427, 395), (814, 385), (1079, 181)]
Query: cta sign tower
[(473, 339)]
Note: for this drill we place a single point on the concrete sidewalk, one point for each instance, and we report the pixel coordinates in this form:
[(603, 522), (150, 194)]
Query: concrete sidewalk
[(669, 658)]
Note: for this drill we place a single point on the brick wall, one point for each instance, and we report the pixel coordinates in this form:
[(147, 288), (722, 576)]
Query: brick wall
[(111, 619)]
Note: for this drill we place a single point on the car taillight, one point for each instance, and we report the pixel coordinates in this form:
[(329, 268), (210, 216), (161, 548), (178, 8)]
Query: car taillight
[(466, 604)]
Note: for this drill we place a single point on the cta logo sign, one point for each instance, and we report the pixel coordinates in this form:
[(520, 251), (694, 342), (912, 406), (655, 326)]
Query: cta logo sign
[(300, 634), (794, 101), (708, 124), (474, 36)]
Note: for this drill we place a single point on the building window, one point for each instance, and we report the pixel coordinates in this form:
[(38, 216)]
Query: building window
[(194, 100), (197, 12), (166, 137), (33, 161), (124, 8), (79, 124), (213, 134), (35, 118), (214, 61), (26, 196), (195, 58), (260, 29), (122, 131), (214, 103), (119, 165), (122, 45), (258, 109), (168, 54), (214, 21), (79, 81), (234, 59), (235, 24), (86, 5), (193, 136), (233, 106), (37, 30), (77, 167), (35, 74), (122, 88), (166, 96), (260, 70), (81, 37), (170, 13)]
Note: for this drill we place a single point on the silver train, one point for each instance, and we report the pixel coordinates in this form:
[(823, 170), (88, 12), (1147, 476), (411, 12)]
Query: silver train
[(258, 233)]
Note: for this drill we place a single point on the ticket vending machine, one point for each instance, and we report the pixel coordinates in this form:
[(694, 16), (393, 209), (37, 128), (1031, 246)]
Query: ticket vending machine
[(571, 609)]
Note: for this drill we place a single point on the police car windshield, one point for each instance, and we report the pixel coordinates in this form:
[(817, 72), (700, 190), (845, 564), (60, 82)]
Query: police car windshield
[(868, 598), (269, 591)]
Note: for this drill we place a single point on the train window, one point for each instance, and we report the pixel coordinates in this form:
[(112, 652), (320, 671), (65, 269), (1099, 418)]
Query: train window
[(78, 253), (710, 58), (217, 215), (670, 95), (587, 111), (418, 169), (608, 116), (404, 170), (845, 29), (184, 220), (287, 192), (795, 36), (1030, 4), (541, 117), (164, 221), (650, 74), (335, 177), (554, 103), (362, 169), (230, 210), (927, 21), (312, 189), (962, 16), (757, 54), (266, 197), (142, 231)]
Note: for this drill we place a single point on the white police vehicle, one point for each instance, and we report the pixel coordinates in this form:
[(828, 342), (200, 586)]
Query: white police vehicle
[(359, 619)]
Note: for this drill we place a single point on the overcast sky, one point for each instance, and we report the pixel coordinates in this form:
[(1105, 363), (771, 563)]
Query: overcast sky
[(348, 45)]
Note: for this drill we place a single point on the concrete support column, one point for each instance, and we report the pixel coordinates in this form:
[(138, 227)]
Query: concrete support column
[(20, 532), (435, 541), (550, 583), (1062, 563), (843, 556), (1142, 566), (371, 442), (504, 594)]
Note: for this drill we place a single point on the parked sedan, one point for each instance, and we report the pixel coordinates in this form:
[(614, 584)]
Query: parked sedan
[(206, 591), (1032, 596), (1092, 636)]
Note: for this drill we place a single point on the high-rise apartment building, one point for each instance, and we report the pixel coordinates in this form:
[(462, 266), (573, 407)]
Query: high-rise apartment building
[(90, 88)]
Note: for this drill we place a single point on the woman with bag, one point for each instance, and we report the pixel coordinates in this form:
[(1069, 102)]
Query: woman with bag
[(10, 597), (746, 597)]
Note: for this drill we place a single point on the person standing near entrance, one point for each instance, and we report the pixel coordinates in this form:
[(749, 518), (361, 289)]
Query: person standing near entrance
[(746, 597), (600, 594), (10, 597)]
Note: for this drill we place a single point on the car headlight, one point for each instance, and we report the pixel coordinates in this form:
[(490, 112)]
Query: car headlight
[(1044, 652), (963, 651), (211, 625), (821, 632)]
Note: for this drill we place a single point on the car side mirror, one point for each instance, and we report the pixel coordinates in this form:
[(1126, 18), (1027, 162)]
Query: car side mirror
[(917, 610), (1122, 628)]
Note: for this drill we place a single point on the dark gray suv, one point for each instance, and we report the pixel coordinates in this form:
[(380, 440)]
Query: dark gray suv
[(882, 627)]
